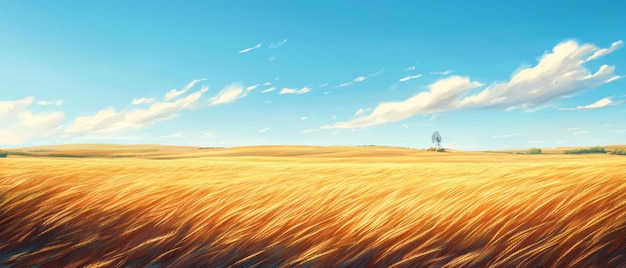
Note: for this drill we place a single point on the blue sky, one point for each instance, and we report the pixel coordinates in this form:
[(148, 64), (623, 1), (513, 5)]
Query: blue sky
[(486, 75)]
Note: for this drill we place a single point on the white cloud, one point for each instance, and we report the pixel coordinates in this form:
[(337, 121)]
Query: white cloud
[(108, 120), (323, 85), (345, 84), (361, 110), (405, 126), (272, 58), (178, 135), (327, 92), (507, 136), (174, 93), (446, 72), (410, 68), (598, 104), (229, 93), (7, 107), (246, 50), (441, 96), (360, 79), (309, 130), (304, 118), (268, 90), (620, 131), (294, 91), (580, 132), (263, 130), (267, 83), (558, 73), (208, 134), (30, 126), (252, 87), (409, 77), (142, 100), (604, 51), (275, 45), (46, 103), (44, 121)]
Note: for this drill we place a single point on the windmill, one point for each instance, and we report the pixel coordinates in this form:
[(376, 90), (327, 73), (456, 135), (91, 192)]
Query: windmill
[(437, 140)]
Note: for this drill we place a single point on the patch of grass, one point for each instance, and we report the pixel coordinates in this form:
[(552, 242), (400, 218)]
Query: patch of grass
[(534, 151), (619, 152), (592, 150)]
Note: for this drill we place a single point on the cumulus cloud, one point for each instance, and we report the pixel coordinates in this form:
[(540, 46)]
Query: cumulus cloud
[(246, 50), (441, 95), (294, 91), (108, 120), (598, 104), (46, 103), (229, 93), (409, 77), (275, 45), (175, 93), (7, 107), (142, 100), (29, 126), (558, 73)]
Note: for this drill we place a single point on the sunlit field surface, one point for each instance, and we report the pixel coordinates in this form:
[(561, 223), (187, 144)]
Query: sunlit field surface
[(313, 206)]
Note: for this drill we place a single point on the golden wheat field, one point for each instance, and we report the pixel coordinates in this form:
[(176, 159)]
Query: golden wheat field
[(296, 206)]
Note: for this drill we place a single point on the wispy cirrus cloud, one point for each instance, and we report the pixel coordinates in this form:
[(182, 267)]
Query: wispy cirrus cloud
[(264, 130), (46, 103), (410, 68), (605, 102), (447, 72), (440, 96), (508, 135), (294, 91), (558, 73), (230, 93), (110, 120), (175, 93), (361, 78), (246, 50), (276, 45), (410, 77), (268, 90), (142, 100), (361, 111)]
